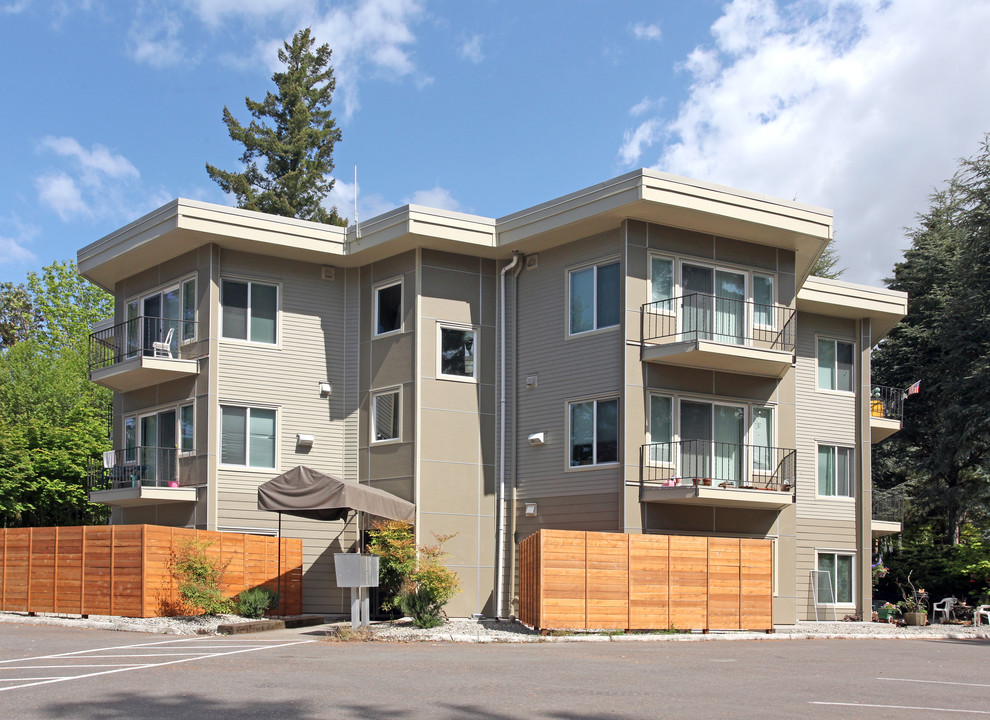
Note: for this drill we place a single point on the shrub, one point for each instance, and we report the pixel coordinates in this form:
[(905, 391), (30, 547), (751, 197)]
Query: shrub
[(393, 542), (420, 604), (253, 603), (430, 586), (199, 577)]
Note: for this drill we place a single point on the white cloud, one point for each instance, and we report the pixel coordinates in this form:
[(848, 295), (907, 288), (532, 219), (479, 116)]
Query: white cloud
[(644, 31), (212, 12), (14, 8), (154, 37), (369, 204), (857, 105), (470, 49), (436, 197), (645, 105), (635, 141), (14, 240), (61, 193), (97, 160)]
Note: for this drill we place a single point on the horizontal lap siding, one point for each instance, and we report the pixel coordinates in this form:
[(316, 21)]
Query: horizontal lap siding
[(124, 570), (587, 580)]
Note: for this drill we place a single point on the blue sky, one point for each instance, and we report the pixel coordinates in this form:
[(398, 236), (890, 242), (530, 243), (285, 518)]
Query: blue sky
[(111, 109)]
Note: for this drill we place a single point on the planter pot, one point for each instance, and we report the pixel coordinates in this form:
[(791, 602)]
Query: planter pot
[(916, 618), (706, 481), (696, 481)]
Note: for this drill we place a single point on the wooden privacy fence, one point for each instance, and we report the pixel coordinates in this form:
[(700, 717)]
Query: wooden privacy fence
[(123, 569), (590, 580)]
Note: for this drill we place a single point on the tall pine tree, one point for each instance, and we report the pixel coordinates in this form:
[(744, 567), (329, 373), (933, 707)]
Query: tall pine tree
[(288, 147)]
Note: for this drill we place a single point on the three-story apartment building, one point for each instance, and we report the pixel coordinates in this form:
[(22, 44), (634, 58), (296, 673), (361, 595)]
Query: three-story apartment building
[(645, 355)]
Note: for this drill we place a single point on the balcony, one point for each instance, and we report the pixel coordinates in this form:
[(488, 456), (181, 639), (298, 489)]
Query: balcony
[(704, 472), (140, 476), (714, 333), (886, 410), (888, 512), (142, 351)]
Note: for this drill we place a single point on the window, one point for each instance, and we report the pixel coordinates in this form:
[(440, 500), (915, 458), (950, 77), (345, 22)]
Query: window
[(761, 438), (385, 416), (763, 301), (835, 471), (594, 298), (153, 316), (661, 281), (661, 429), (835, 583), (594, 430), (250, 311), (187, 437), (835, 365), (458, 350), (247, 436), (388, 308), (188, 310), (130, 439)]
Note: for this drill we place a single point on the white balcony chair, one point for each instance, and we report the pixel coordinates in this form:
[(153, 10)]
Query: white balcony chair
[(981, 611), (944, 606), (163, 349)]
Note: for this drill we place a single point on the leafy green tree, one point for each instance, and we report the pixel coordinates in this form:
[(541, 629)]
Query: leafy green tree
[(68, 305), (825, 265), (293, 135), (19, 318)]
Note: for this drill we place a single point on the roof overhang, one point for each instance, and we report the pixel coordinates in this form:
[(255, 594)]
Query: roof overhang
[(884, 308)]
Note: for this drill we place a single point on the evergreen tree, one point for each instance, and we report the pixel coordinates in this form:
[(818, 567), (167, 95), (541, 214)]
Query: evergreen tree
[(824, 266), (292, 136)]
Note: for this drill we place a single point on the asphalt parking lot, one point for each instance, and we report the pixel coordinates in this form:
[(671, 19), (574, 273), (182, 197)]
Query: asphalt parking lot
[(50, 672)]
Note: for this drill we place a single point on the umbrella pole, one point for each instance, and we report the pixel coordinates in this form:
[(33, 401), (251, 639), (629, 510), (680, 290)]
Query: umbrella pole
[(280, 564)]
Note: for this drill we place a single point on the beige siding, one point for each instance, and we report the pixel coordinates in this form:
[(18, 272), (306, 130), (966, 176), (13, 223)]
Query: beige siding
[(820, 534)]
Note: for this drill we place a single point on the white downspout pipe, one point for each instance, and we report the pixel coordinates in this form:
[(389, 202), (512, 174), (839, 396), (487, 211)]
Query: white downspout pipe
[(500, 546)]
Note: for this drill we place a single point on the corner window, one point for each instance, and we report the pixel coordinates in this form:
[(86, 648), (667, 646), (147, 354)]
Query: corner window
[(835, 365), (835, 578), (594, 432), (458, 353), (835, 477), (593, 298), (388, 308), (385, 416), (247, 436), (250, 311)]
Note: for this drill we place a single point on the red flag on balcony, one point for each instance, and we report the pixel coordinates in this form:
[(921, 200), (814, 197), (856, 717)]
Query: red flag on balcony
[(914, 389)]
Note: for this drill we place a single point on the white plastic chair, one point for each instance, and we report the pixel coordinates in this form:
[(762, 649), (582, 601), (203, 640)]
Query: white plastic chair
[(981, 611), (944, 606), (164, 349)]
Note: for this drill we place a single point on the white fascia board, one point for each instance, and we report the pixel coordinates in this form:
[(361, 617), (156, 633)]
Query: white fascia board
[(837, 298), (413, 226)]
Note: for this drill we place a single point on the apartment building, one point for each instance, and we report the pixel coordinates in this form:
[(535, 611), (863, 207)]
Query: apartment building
[(646, 355)]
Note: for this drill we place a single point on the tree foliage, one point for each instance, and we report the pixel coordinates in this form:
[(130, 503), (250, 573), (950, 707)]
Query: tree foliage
[(825, 265), (292, 136), (942, 452), (52, 418)]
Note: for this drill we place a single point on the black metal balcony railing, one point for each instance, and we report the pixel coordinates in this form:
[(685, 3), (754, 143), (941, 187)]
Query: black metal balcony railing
[(139, 336), (722, 320), (148, 466), (719, 464), (889, 505), (886, 402)]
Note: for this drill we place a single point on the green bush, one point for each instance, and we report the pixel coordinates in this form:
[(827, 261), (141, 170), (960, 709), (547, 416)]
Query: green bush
[(421, 605), (392, 541), (430, 586), (253, 603), (199, 577)]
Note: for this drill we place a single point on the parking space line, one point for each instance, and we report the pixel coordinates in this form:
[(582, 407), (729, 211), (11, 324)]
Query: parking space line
[(902, 707), (935, 682), (43, 667), (81, 652), (126, 668)]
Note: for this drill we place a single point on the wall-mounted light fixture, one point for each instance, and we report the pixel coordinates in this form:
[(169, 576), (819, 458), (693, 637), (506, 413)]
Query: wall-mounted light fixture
[(539, 438), (325, 389), (530, 509), (304, 440)]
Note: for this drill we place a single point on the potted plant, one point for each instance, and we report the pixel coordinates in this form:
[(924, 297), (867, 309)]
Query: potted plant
[(887, 612), (914, 606)]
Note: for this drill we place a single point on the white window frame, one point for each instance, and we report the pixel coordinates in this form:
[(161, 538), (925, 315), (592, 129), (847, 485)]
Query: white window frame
[(845, 552), (595, 326), (178, 431), (773, 300), (247, 467), (278, 312), (835, 369), (137, 301), (673, 282), (594, 440), (373, 415), (669, 461), (375, 289), (852, 471), (473, 377)]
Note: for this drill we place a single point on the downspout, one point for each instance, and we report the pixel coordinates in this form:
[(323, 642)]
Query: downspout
[(500, 545)]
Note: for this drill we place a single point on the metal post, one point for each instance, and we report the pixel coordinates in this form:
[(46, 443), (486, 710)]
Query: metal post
[(355, 607), (280, 565)]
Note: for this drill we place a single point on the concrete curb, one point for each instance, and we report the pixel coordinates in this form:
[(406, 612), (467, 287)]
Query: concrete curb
[(270, 624)]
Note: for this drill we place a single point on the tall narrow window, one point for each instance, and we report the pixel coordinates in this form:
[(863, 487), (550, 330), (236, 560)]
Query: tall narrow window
[(661, 281), (661, 429), (188, 310), (250, 311), (761, 438), (187, 435), (388, 308), (835, 471), (457, 353), (130, 439), (594, 298), (763, 301), (835, 365), (594, 429), (385, 416)]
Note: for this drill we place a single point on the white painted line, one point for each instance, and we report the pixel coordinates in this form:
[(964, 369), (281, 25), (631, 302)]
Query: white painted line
[(148, 655), (935, 682), (150, 665), (50, 677), (45, 667), (80, 652), (903, 707)]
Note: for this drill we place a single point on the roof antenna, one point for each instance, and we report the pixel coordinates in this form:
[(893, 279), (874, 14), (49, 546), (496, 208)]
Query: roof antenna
[(357, 225)]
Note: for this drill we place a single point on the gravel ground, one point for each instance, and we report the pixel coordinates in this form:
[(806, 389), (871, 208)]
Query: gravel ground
[(494, 631)]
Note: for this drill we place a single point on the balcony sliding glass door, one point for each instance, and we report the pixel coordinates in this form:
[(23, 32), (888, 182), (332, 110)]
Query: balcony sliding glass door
[(712, 441), (714, 306)]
